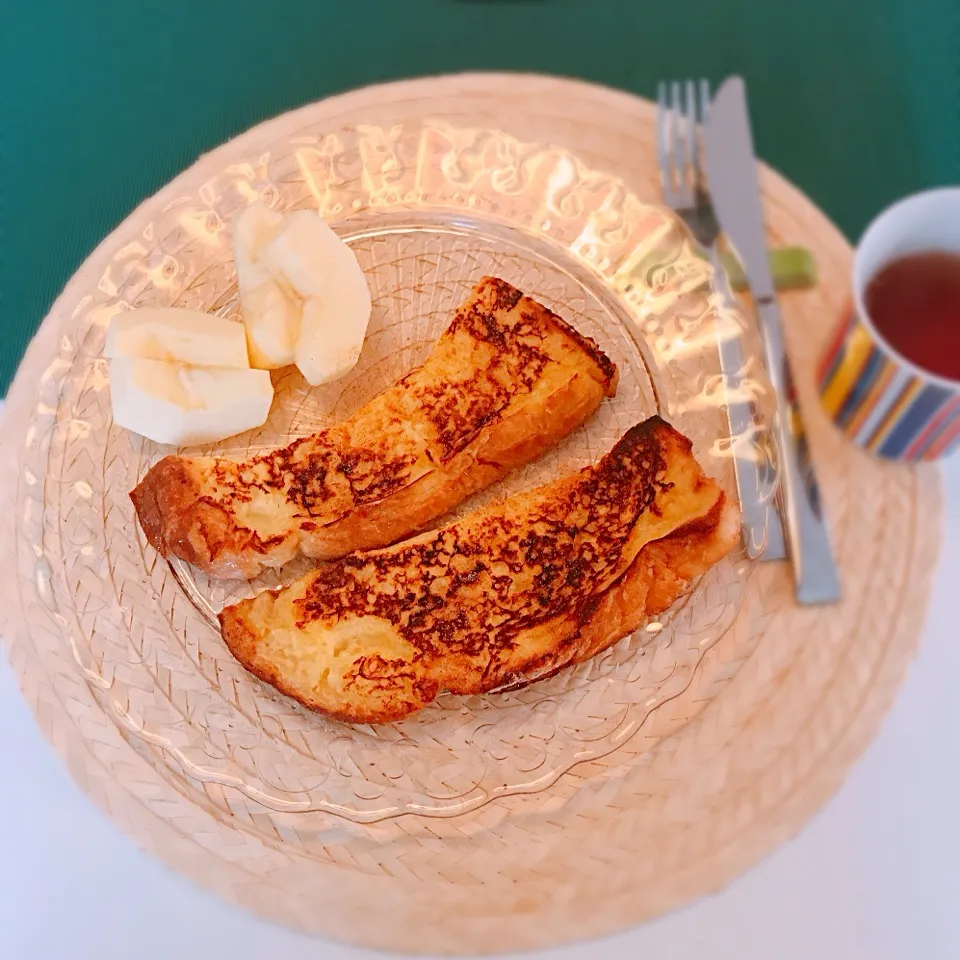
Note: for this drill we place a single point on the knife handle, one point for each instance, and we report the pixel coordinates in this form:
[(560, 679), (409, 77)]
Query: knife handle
[(814, 569)]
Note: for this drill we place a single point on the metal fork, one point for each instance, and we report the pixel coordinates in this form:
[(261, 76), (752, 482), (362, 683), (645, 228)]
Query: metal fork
[(681, 113)]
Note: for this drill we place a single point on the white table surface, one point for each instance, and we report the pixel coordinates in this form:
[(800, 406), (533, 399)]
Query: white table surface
[(875, 876)]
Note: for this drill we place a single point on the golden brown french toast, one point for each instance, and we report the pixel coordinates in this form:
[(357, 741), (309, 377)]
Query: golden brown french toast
[(506, 380), (508, 594)]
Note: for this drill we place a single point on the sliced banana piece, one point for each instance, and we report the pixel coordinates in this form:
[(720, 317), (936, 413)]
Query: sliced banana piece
[(272, 321), (331, 338), (304, 296), (270, 315), (184, 405), (308, 254), (178, 335)]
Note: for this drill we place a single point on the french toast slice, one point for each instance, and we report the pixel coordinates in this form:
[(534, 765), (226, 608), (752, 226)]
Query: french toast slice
[(505, 381), (508, 594)]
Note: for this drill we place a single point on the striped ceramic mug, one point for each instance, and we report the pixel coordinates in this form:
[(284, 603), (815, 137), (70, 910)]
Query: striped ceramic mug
[(881, 400)]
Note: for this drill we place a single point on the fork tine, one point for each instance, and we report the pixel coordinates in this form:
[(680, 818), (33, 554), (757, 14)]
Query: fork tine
[(682, 107), (691, 140), (698, 121), (677, 136), (704, 104), (663, 147)]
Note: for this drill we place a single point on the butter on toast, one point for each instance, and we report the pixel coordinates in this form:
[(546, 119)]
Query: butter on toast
[(505, 381), (506, 595)]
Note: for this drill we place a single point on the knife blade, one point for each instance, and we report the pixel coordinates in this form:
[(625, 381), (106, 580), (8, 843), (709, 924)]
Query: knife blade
[(734, 185), (762, 531)]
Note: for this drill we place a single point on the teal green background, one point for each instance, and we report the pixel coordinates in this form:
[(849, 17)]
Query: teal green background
[(103, 101)]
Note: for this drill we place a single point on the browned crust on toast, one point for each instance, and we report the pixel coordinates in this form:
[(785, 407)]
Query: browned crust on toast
[(660, 575), (505, 381), (507, 595)]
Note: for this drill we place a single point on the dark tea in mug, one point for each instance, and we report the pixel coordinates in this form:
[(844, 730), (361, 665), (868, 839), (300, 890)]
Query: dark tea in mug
[(914, 303)]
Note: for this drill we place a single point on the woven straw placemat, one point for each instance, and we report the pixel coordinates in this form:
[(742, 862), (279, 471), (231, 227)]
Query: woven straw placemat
[(713, 780)]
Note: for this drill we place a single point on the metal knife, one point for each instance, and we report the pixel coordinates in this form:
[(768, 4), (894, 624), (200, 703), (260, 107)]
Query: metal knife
[(762, 531), (735, 190)]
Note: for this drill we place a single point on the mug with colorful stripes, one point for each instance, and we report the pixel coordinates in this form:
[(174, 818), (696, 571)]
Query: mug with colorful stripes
[(884, 402)]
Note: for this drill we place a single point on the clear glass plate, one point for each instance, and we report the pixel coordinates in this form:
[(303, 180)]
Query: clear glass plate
[(429, 209)]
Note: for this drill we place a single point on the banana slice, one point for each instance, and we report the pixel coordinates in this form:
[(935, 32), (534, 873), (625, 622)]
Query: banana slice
[(183, 405), (177, 335), (331, 336), (270, 314), (303, 294), (272, 321)]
